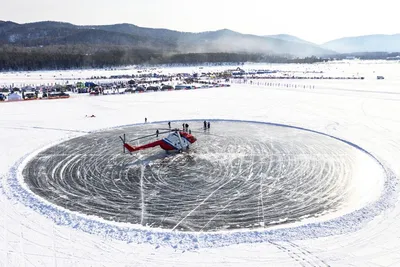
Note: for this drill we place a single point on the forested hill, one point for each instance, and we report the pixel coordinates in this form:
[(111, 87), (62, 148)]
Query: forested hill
[(51, 44), (71, 57), (59, 33)]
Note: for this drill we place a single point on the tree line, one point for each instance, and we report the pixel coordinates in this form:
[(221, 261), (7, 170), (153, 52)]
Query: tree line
[(81, 56), (368, 55)]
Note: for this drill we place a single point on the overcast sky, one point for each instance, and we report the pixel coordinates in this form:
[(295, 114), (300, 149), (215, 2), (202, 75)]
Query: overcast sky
[(314, 20)]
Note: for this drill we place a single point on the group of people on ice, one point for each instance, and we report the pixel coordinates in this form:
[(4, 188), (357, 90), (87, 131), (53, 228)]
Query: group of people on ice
[(185, 127), (206, 125)]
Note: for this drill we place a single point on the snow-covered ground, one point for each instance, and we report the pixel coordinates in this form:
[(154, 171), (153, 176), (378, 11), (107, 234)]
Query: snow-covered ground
[(368, 69), (361, 112)]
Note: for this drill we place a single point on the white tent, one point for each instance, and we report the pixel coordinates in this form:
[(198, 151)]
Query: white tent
[(14, 97)]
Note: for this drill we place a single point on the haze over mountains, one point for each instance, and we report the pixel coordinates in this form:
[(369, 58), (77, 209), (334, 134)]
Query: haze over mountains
[(57, 33), (48, 33), (290, 38), (366, 43)]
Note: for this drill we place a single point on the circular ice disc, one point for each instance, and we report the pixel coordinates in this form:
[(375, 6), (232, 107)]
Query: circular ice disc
[(237, 175)]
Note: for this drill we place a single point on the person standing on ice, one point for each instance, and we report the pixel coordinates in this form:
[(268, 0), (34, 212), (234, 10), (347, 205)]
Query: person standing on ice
[(205, 125), (169, 124), (208, 125), (157, 132), (145, 120)]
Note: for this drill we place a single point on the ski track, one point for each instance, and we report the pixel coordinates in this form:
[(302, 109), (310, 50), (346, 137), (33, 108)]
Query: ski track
[(27, 238)]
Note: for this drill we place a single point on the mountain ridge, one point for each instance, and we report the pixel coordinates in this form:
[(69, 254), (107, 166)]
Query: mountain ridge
[(47, 33), (365, 43), (224, 40), (291, 38)]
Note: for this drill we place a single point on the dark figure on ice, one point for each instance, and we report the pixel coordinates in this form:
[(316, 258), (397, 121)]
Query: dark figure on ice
[(187, 127), (208, 125), (205, 125), (169, 124), (157, 132), (145, 120), (183, 127)]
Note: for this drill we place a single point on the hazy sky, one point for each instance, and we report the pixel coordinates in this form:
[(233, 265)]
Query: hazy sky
[(314, 20)]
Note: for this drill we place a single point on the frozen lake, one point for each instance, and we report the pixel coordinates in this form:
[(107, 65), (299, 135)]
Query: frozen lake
[(359, 170)]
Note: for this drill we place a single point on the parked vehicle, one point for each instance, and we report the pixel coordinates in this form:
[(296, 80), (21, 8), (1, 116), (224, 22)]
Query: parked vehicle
[(152, 88), (140, 89), (183, 87), (94, 91), (53, 95), (167, 87), (29, 95)]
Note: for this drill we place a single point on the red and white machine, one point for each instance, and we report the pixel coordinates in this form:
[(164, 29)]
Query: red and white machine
[(177, 140)]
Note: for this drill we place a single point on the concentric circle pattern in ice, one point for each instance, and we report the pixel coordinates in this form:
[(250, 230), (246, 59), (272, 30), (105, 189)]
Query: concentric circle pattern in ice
[(237, 175)]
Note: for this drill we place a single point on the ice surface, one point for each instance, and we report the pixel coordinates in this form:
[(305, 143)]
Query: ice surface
[(364, 115), (239, 175)]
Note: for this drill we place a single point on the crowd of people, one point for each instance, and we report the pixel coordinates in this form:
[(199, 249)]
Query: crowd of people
[(185, 127)]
